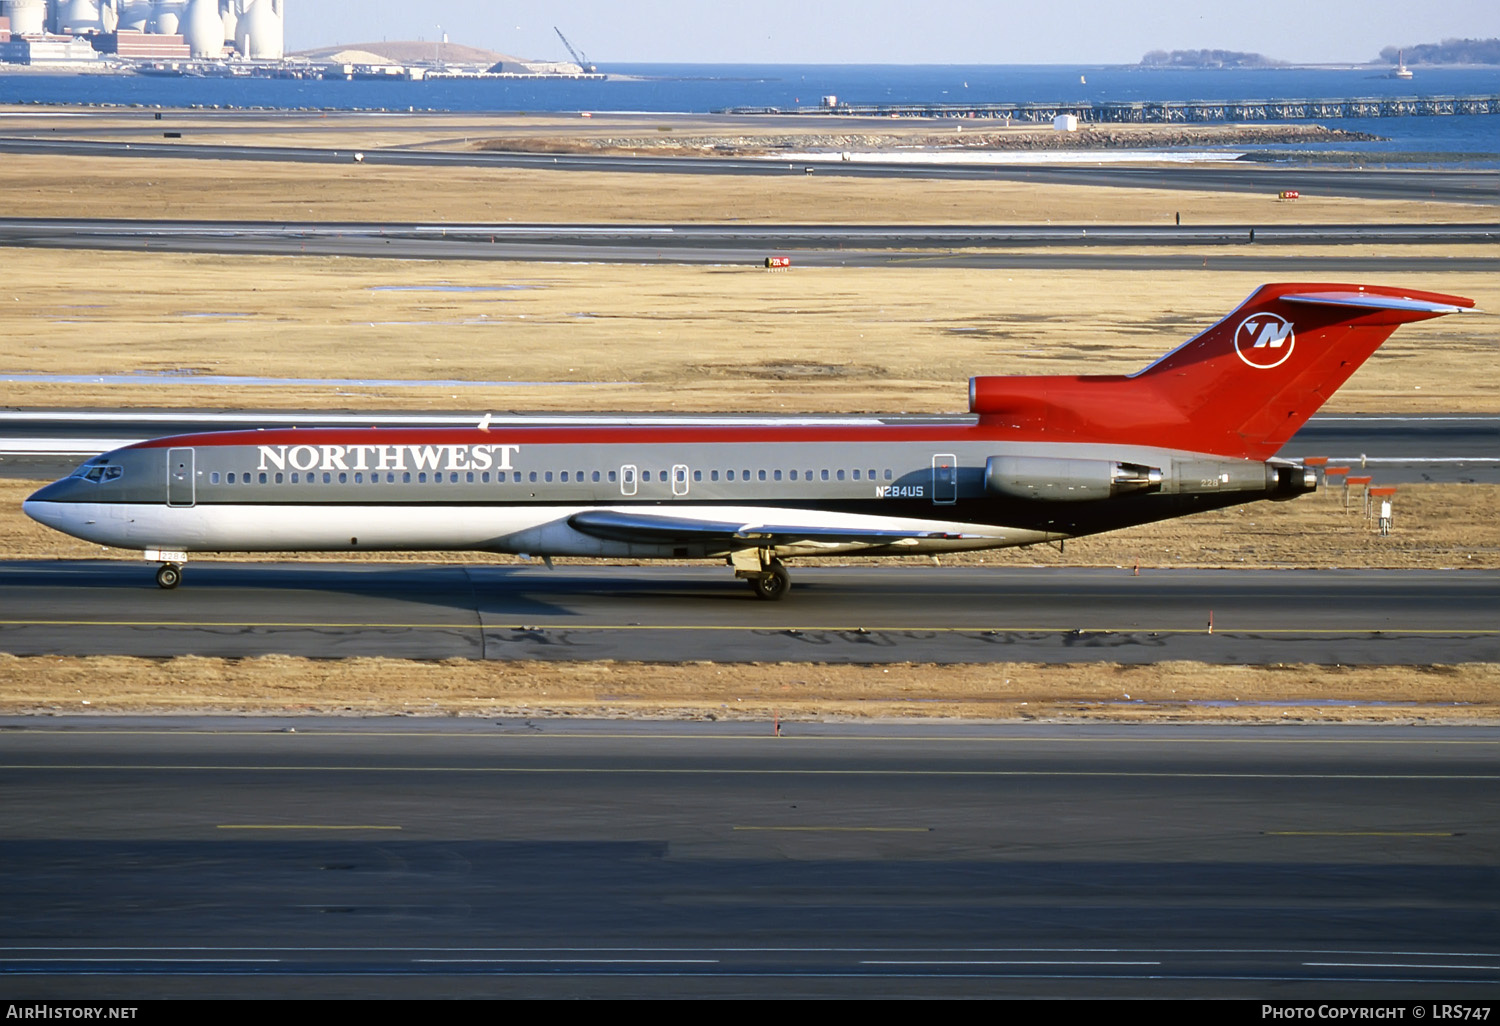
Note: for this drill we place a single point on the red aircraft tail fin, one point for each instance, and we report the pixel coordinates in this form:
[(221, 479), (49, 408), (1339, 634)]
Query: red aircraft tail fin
[(1241, 388)]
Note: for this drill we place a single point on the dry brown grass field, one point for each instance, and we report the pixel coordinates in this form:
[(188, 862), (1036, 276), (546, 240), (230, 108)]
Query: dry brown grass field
[(755, 694), (632, 337)]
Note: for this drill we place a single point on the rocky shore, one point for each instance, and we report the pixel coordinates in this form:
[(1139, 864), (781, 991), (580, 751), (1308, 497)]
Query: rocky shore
[(1030, 137)]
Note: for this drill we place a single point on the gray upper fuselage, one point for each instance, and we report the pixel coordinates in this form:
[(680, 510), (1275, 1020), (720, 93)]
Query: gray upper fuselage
[(905, 470)]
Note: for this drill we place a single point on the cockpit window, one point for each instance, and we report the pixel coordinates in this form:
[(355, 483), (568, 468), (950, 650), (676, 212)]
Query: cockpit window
[(97, 473)]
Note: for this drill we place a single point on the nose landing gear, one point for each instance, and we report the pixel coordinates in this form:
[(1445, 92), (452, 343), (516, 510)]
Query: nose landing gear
[(169, 574)]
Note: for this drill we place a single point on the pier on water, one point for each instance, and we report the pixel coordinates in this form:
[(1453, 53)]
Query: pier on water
[(1161, 111)]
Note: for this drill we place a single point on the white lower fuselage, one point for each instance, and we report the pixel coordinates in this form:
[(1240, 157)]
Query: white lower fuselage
[(534, 529)]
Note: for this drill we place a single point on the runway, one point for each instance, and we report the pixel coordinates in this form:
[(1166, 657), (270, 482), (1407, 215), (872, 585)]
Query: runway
[(471, 858), (1143, 247), (874, 613), (1444, 185), (1404, 449)]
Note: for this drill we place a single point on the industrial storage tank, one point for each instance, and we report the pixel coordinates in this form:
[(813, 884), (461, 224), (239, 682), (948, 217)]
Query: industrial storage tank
[(27, 17), (78, 16), (203, 28), (135, 15), (229, 12), (167, 16), (258, 32)]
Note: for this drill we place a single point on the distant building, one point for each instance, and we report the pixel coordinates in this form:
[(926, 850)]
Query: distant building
[(513, 66), (128, 43), (141, 29), (47, 50)]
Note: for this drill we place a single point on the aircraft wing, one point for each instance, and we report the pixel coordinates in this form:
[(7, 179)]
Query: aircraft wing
[(651, 528)]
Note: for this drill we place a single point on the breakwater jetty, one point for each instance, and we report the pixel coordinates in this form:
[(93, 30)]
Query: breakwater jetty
[(1158, 111)]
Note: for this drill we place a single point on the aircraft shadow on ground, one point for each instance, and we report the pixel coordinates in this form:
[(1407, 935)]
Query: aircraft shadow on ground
[(378, 591)]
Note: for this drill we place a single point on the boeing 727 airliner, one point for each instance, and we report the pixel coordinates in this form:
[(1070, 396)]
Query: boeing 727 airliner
[(1048, 458)]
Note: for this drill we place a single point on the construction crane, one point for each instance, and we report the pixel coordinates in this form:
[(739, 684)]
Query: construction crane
[(579, 59)]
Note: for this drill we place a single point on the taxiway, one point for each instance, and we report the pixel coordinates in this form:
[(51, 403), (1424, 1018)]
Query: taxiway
[(474, 858), (859, 614)]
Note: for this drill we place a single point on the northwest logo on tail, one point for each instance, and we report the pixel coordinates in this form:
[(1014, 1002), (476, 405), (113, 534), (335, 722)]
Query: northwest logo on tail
[(1264, 340)]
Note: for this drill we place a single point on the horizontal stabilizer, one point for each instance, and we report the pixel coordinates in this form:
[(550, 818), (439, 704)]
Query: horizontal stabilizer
[(1373, 301)]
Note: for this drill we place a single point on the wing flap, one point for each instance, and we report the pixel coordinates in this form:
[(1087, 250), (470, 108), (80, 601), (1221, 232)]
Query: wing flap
[(650, 528)]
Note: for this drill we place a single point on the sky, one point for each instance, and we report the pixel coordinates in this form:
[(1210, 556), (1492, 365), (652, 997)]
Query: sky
[(899, 31)]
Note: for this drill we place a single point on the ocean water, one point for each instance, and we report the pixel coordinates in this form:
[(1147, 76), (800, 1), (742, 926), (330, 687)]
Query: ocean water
[(691, 88)]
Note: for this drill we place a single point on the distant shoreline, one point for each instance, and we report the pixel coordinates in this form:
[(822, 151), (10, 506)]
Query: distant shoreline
[(71, 70)]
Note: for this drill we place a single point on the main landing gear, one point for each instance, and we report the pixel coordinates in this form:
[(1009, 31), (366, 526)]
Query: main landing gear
[(168, 575), (767, 576)]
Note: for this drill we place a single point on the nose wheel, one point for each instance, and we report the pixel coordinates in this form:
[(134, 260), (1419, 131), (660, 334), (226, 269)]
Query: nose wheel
[(168, 576)]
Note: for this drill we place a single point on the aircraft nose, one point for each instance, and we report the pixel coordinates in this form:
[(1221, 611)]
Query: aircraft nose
[(41, 512), (57, 491), (43, 506)]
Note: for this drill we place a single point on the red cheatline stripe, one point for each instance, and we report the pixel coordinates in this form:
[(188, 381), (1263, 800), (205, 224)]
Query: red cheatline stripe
[(568, 436)]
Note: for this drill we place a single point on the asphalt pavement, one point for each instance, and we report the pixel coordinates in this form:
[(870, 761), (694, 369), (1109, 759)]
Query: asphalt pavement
[(869, 613), (474, 858), (1244, 247)]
